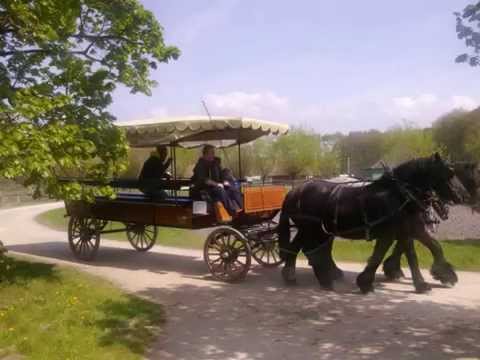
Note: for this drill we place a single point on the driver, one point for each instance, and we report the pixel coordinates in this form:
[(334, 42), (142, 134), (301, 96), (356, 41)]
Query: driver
[(155, 168)]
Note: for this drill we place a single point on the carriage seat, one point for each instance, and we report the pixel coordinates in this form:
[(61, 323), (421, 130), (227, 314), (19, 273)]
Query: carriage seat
[(138, 197)]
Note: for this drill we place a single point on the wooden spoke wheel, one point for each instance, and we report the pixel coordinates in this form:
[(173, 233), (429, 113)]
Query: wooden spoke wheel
[(265, 247), (142, 237), (84, 237), (227, 254)]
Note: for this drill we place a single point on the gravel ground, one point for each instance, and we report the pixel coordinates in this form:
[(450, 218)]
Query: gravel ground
[(260, 318), (461, 224)]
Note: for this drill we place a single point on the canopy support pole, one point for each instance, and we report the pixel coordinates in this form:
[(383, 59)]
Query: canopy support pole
[(239, 162), (174, 170)]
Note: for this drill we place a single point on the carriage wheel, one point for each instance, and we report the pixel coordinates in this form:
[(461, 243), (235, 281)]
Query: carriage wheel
[(227, 254), (142, 237), (265, 248), (84, 237)]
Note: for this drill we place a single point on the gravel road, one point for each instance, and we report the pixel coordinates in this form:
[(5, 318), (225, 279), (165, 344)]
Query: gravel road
[(260, 318)]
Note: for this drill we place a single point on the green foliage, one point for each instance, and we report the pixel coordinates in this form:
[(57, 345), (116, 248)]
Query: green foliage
[(363, 148), (404, 143), (297, 152), (230, 159), (60, 60), (186, 160), (136, 158), (327, 163), (456, 133), (265, 157), (468, 22)]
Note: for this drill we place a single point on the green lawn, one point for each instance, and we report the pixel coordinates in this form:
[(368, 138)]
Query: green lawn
[(464, 255), (51, 312), (166, 236)]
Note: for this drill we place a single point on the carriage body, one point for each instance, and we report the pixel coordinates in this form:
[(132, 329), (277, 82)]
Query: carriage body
[(229, 247)]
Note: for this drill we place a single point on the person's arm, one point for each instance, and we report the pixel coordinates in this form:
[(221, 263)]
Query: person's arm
[(202, 177), (165, 166)]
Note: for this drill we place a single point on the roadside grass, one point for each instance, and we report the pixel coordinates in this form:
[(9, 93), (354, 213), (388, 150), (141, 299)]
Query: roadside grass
[(181, 238), (463, 254), (51, 312)]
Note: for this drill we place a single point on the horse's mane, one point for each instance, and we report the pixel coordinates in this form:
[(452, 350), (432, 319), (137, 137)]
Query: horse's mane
[(414, 166)]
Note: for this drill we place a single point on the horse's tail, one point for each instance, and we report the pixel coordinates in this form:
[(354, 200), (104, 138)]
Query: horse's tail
[(284, 228)]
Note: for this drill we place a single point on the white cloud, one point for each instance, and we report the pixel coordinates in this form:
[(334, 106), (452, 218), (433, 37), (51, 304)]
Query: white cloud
[(404, 102), (238, 103), (410, 102), (464, 102)]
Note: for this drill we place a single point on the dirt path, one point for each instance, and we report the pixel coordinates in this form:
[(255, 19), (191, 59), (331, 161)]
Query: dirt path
[(261, 318)]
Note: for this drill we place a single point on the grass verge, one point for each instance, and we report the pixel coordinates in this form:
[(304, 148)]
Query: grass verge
[(49, 312), (181, 238), (463, 254)]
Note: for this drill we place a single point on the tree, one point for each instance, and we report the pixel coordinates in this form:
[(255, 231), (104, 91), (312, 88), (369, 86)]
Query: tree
[(363, 148), (469, 33), (405, 143), (186, 159), (327, 163), (60, 61), (450, 132), (265, 158), (230, 159), (297, 152)]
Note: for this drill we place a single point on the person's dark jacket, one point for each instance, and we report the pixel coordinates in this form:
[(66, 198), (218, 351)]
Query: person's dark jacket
[(206, 170), (154, 168)]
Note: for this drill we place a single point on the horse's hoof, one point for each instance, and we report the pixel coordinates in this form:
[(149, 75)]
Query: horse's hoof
[(448, 284), (327, 287), (392, 270), (367, 289), (394, 275), (365, 282), (422, 288), (444, 273)]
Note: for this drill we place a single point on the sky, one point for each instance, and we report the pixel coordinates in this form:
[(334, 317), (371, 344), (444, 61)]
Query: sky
[(327, 65)]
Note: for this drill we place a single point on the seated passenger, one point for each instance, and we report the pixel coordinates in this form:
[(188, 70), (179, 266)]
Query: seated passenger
[(155, 168), (232, 188), (207, 176)]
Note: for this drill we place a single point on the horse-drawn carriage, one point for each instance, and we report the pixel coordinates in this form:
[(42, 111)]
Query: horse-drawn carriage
[(228, 248)]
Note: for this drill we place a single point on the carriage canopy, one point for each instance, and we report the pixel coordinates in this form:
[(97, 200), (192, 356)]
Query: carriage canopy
[(193, 131)]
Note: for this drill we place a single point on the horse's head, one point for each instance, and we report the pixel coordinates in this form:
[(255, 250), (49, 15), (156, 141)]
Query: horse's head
[(444, 181), (469, 175)]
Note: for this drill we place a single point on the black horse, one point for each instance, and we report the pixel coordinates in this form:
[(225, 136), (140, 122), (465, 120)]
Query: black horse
[(384, 210), (469, 175)]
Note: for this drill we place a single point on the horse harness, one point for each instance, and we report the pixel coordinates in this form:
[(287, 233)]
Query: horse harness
[(425, 205)]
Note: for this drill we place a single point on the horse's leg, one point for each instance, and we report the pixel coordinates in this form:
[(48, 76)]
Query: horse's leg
[(391, 266), (366, 278), (336, 272), (290, 253), (419, 282), (441, 269), (317, 248)]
